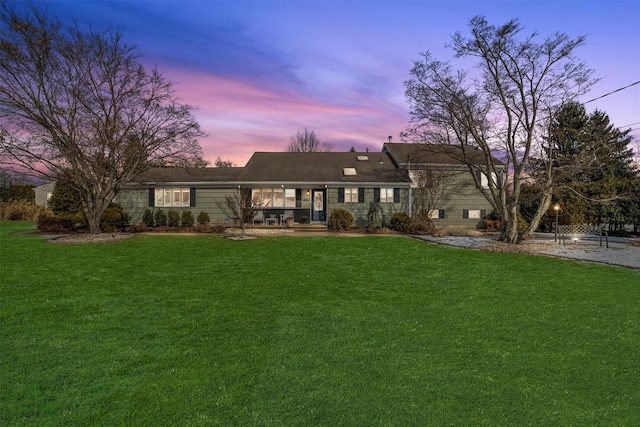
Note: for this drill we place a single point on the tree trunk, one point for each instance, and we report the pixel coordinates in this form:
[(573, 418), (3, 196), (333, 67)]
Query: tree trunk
[(94, 215), (545, 202), (510, 231)]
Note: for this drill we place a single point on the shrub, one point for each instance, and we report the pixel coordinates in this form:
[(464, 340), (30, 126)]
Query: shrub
[(50, 223), (173, 218), (65, 199), (114, 218), (160, 218), (18, 192), (203, 218), (423, 224), (492, 225), (375, 217), (20, 210), (340, 220), (401, 222), (147, 217), (521, 223), (186, 219), (80, 220), (219, 227)]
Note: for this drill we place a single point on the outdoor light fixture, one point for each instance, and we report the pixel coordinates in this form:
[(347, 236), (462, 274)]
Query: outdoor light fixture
[(556, 208)]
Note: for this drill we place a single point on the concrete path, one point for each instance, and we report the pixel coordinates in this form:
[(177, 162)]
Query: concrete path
[(620, 252)]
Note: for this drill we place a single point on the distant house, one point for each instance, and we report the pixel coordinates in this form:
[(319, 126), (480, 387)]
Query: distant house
[(43, 194)]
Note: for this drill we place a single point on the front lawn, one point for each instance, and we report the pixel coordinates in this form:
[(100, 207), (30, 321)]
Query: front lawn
[(199, 330)]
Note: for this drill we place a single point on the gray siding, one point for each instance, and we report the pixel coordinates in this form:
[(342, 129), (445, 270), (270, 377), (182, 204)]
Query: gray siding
[(360, 210), (465, 196), (136, 201)]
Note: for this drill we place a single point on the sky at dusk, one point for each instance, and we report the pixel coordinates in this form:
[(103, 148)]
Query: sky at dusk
[(259, 71)]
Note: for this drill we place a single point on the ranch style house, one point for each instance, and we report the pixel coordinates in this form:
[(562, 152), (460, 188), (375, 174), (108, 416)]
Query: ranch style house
[(307, 186)]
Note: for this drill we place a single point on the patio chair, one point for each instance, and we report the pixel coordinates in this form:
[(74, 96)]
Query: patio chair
[(259, 217)]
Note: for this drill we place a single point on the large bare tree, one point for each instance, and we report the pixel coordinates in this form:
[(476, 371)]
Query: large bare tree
[(501, 107), (307, 141), (79, 104)]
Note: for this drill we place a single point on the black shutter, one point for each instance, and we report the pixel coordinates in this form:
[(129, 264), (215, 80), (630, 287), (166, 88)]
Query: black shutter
[(376, 195), (192, 197), (441, 213), (152, 197), (396, 195), (465, 214), (340, 195), (483, 213), (298, 197), (360, 195)]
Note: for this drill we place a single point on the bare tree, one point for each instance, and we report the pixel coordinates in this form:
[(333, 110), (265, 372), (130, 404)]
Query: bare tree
[(433, 186), (503, 110), (219, 163), (307, 141), (79, 104), (240, 207)]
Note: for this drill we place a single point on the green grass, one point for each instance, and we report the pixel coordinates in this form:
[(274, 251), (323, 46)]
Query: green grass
[(199, 330)]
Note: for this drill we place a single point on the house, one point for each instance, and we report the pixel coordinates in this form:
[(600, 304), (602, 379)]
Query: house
[(442, 183), (43, 194), (308, 186), (305, 186)]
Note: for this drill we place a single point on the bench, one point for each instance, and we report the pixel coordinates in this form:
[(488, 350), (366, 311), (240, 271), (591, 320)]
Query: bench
[(574, 231)]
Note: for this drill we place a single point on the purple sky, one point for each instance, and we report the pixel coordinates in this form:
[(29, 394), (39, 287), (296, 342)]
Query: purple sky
[(259, 71)]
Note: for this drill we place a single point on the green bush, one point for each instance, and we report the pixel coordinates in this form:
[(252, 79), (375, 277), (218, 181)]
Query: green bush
[(186, 219), (401, 222), (173, 218), (114, 218), (147, 218), (50, 223), (65, 198), (203, 218), (375, 217), (522, 224), (18, 192), (160, 218), (340, 220)]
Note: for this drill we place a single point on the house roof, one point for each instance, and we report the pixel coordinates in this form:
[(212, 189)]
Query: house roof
[(285, 167), (189, 175), (323, 167), (440, 154)]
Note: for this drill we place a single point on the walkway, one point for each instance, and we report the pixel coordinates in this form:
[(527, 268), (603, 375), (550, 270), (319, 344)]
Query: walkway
[(620, 251)]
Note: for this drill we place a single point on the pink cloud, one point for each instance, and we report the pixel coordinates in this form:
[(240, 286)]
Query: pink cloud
[(242, 117)]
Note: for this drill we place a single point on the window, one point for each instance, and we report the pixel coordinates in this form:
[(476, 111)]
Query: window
[(484, 179), (256, 197), (350, 195), (267, 197), (386, 195), (278, 197), (290, 198), (436, 213), (273, 197), (349, 171), (472, 214), (172, 197)]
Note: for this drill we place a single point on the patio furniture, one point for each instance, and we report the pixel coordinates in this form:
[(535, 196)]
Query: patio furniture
[(272, 219), (259, 217)]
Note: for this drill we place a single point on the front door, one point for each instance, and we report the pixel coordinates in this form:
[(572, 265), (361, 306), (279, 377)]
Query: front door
[(318, 205)]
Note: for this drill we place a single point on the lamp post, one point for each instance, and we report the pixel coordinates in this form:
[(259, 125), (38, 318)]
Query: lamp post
[(556, 208)]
